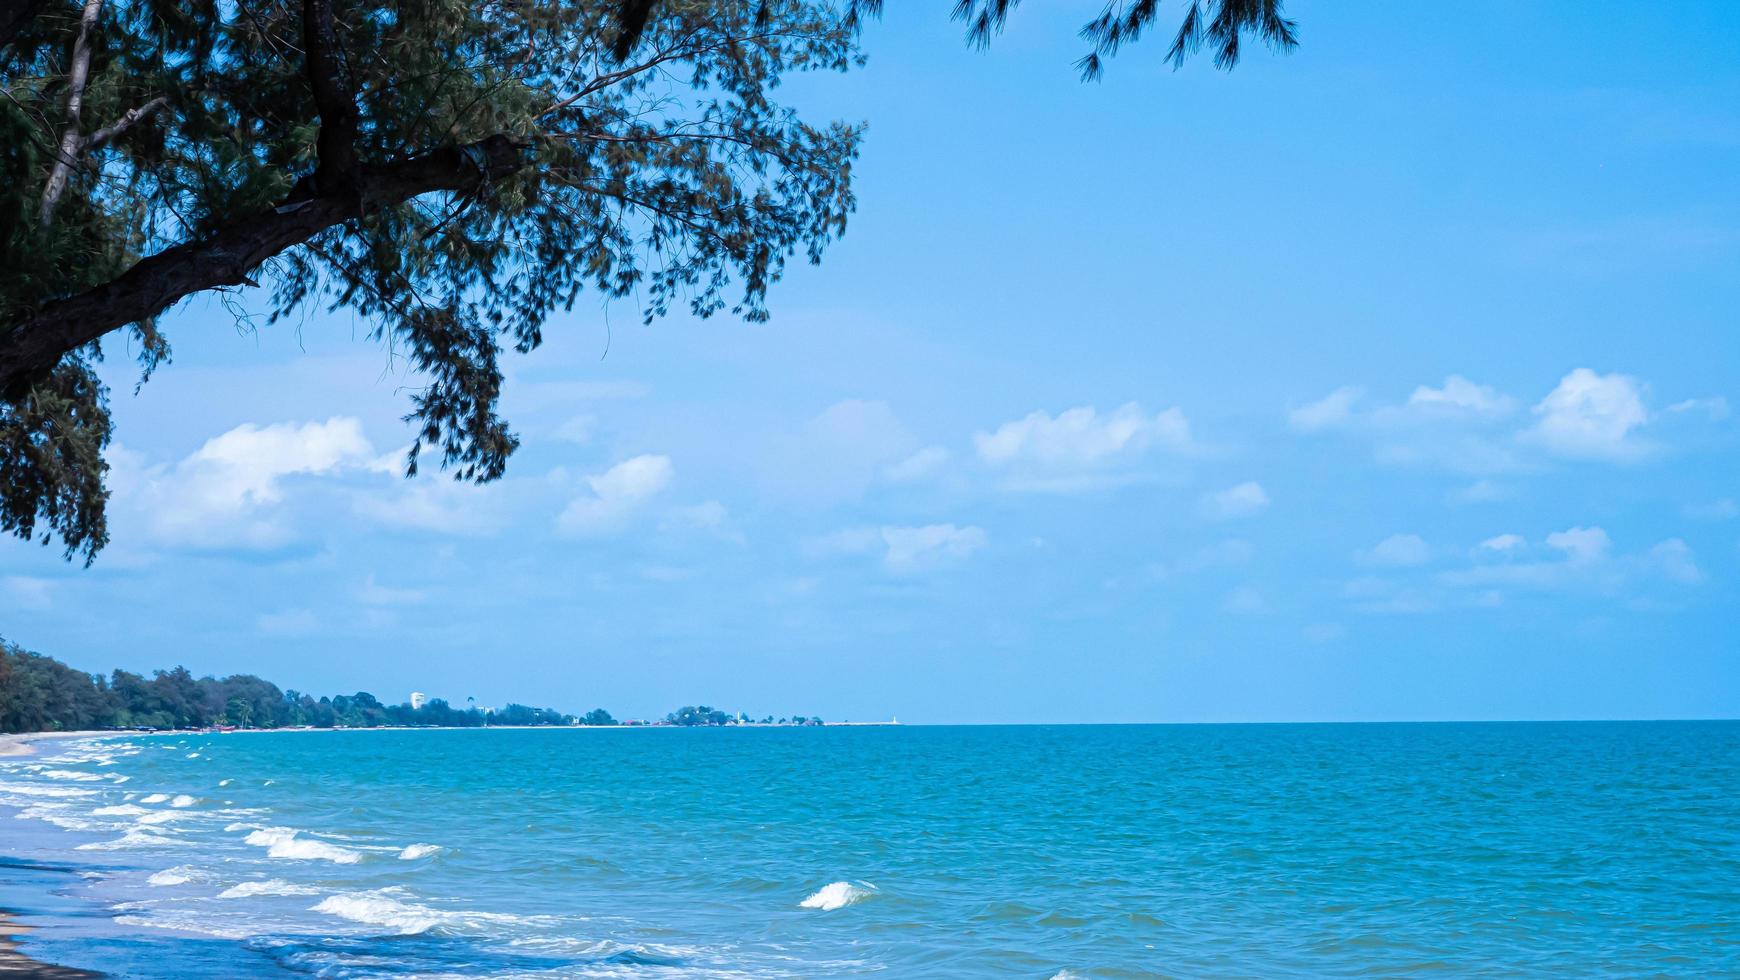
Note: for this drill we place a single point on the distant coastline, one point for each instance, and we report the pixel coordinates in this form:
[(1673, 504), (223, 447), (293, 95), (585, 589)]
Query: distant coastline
[(41, 694)]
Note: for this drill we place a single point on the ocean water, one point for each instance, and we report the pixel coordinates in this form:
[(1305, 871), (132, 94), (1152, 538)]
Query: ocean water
[(1116, 851)]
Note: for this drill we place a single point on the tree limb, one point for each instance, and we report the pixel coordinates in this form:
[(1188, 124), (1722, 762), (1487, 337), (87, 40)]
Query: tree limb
[(71, 139), (334, 97), (31, 348), (102, 136)]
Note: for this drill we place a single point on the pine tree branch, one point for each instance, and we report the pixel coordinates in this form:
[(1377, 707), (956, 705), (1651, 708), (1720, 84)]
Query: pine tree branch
[(334, 96), (30, 349)]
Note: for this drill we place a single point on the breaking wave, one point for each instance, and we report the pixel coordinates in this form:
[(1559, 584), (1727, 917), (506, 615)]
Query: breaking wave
[(838, 895)]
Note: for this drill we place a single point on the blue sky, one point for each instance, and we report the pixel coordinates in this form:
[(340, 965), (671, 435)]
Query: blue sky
[(1393, 379)]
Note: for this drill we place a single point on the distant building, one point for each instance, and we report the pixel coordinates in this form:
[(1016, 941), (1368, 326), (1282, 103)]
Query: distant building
[(418, 700)]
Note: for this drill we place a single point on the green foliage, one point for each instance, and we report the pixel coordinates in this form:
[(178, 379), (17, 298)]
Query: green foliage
[(452, 171), (38, 693), (673, 178), (51, 460)]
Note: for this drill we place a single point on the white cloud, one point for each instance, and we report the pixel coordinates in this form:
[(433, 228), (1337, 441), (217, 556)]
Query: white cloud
[(1715, 409), (1397, 551), (1591, 416), (1503, 543), (1586, 562), (918, 466), (373, 593), (907, 549), (1076, 448), (228, 492), (616, 494), (1581, 545), (1673, 558), (1461, 396), (1242, 500), (27, 592), (435, 503), (1335, 408)]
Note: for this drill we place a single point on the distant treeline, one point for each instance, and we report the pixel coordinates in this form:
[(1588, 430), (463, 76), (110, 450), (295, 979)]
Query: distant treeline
[(39, 694), (692, 716)]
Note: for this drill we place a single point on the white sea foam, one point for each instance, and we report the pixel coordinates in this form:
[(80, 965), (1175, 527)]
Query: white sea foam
[(60, 816), (416, 851), (384, 908), (377, 909), (300, 849), (201, 924), (838, 895), (273, 886), (171, 876), (130, 840), (283, 843), (60, 792), (225, 782), (123, 810), (183, 801), (74, 774), (193, 755), (152, 817), (156, 798)]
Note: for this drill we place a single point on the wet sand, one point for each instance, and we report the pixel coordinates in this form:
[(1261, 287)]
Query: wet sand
[(14, 964)]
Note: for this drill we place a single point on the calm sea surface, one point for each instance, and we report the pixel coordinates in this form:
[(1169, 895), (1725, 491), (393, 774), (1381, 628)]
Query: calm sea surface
[(1567, 849)]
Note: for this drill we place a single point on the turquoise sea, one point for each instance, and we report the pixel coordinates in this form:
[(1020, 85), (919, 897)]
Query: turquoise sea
[(1069, 851)]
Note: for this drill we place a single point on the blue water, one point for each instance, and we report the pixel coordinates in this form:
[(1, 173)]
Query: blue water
[(1135, 851)]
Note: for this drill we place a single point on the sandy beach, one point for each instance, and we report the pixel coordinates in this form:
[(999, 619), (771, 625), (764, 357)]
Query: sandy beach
[(16, 964), (12, 962), (12, 746)]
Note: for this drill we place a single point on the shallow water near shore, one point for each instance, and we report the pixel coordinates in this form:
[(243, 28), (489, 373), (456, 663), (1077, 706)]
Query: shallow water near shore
[(1115, 851)]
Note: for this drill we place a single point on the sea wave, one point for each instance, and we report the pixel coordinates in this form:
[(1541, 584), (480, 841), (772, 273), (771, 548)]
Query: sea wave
[(416, 851), (286, 843), (838, 895), (183, 801), (272, 886), (384, 908), (28, 789), (156, 798), (120, 810), (131, 840), (179, 875), (73, 774)]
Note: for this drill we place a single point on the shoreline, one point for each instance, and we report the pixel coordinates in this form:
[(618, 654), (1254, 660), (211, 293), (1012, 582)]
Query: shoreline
[(15, 745), (19, 744), (16, 964)]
